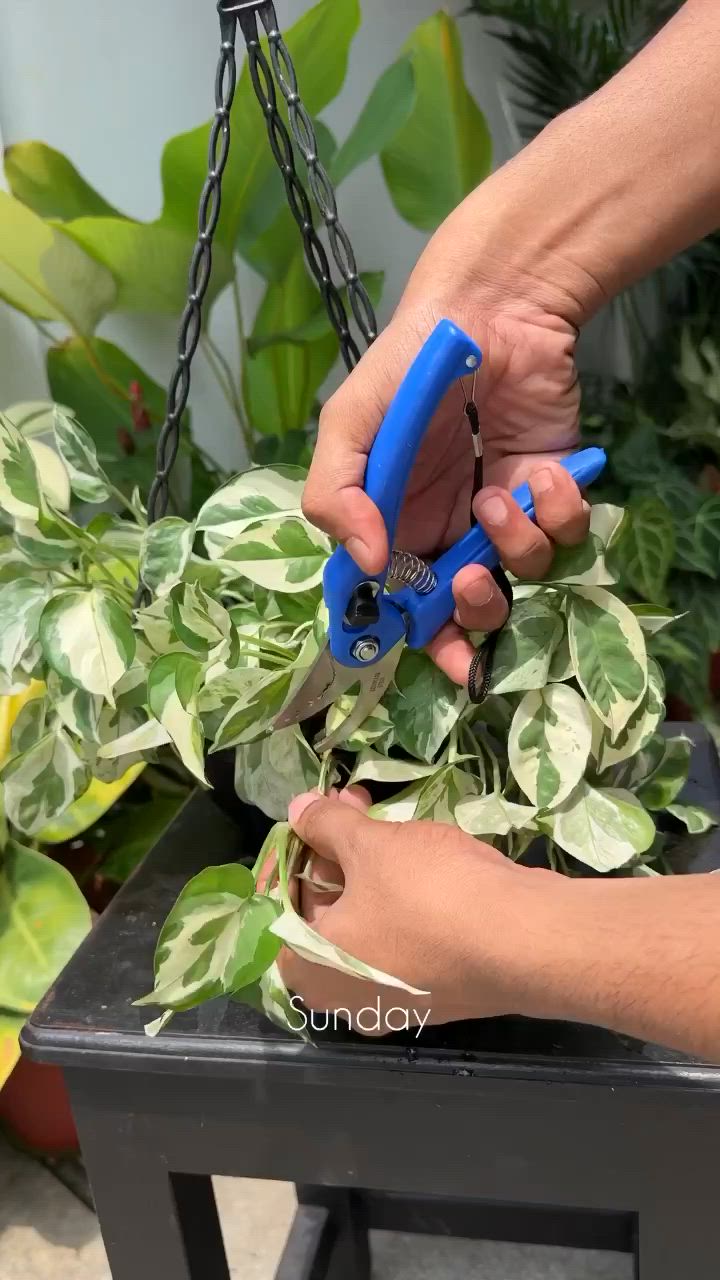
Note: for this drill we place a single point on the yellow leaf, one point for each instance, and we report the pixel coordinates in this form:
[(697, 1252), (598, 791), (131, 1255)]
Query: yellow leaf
[(10, 707)]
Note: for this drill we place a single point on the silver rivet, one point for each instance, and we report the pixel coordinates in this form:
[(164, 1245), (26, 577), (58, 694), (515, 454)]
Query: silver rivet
[(365, 649), (471, 362)]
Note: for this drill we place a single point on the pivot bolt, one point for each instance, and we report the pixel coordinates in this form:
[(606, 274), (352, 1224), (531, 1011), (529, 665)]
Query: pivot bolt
[(365, 649)]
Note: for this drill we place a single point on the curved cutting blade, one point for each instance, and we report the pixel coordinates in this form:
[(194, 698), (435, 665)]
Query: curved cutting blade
[(374, 681), (324, 682)]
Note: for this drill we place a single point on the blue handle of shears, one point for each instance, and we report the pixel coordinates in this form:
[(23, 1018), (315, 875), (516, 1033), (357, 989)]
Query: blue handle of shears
[(446, 356)]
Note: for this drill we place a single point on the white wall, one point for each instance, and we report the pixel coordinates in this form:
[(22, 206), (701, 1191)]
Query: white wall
[(108, 83)]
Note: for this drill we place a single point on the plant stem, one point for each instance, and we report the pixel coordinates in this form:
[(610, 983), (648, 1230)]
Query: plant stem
[(138, 516), (223, 377)]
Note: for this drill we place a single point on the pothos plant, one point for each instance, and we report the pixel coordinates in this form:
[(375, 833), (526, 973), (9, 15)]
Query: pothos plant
[(566, 750)]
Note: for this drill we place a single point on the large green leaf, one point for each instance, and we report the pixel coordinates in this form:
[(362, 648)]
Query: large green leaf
[(49, 184), (149, 262), (45, 274), (385, 112), (444, 149), (318, 43), (608, 654), (423, 704), (43, 919), (667, 780), (281, 381)]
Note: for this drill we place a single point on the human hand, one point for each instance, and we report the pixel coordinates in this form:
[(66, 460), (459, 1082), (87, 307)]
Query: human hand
[(528, 398), (424, 902)]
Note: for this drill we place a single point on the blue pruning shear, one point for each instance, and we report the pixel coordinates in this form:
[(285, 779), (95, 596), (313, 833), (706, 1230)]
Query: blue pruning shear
[(368, 625)]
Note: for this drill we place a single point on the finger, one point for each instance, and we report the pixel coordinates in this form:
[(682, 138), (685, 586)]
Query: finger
[(334, 498), (524, 548), (332, 829), (452, 652), (357, 796), (480, 604), (559, 507)]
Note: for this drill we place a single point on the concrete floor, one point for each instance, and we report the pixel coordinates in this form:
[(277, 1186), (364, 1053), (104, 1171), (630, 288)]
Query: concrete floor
[(46, 1232)]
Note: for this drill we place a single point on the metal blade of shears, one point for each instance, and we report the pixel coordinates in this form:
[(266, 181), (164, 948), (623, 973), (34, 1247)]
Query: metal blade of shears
[(327, 680), (374, 681)]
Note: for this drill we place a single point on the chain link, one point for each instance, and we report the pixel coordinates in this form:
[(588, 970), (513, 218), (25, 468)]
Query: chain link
[(265, 75)]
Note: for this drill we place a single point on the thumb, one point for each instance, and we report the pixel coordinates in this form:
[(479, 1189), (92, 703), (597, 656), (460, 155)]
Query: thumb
[(333, 829), (334, 497)]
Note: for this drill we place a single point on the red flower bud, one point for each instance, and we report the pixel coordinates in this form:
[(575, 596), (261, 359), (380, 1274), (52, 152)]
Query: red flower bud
[(125, 440), (138, 410)]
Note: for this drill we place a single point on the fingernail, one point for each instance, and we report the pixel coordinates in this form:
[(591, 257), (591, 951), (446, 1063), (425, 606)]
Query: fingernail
[(358, 549), (542, 481), (493, 510), (586, 507), (478, 593), (299, 804)]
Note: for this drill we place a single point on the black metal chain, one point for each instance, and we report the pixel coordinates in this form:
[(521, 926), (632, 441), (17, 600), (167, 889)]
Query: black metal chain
[(264, 76), (199, 274)]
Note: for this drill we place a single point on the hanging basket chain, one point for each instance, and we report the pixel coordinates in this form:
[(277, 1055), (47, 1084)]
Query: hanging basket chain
[(199, 274)]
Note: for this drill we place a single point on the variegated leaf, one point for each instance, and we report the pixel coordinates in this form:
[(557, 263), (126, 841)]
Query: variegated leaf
[(19, 486), (549, 743), (252, 715), (608, 654), (377, 729), (370, 766), (583, 564), (77, 450), (40, 784), (493, 815), (258, 494), (423, 705), (164, 553), (640, 727), (633, 772), (173, 683), (201, 623), (606, 522), (21, 605), (146, 737), (268, 774), (286, 554), (275, 1002), (697, 819), (87, 637), (78, 710), (653, 617), (441, 795), (216, 939), (52, 474), (39, 548), (305, 942), (526, 645), (604, 827), (399, 807), (668, 778), (32, 722)]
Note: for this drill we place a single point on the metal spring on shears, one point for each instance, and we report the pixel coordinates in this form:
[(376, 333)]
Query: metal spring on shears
[(409, 570)]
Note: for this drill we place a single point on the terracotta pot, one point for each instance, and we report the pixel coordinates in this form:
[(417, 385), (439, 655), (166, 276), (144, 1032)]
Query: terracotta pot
[(35, 1108)]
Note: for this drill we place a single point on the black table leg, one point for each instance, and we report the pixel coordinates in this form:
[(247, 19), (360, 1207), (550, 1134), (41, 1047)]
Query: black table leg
[(154, 1222), (329, 1237), (679, 1239)]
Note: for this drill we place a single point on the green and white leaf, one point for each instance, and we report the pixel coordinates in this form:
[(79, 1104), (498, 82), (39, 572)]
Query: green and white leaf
[(173, 684), (583, 564), (32, 722), (50, 552), (21, 604), (146, 737), (19, 485), (78, 710), (87, 637), (370, 766), (561, 667), (376, 730), (608, 654), (493, 815), (606, 522), (52, 474), (668, 778), (640, 727), (400, 807), (285, 554), (549, 743), (697, 819), (442, 793), (258, 494), (77, 450), (254, 711), (603, 827), (215, 940), (269, 773), (423, 705), (275, 1003), (42, 782), (653, 617), (526, 645), (309, 945), (164, 553)]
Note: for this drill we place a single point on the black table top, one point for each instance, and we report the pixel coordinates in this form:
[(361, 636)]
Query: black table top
[(87, 1019)]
